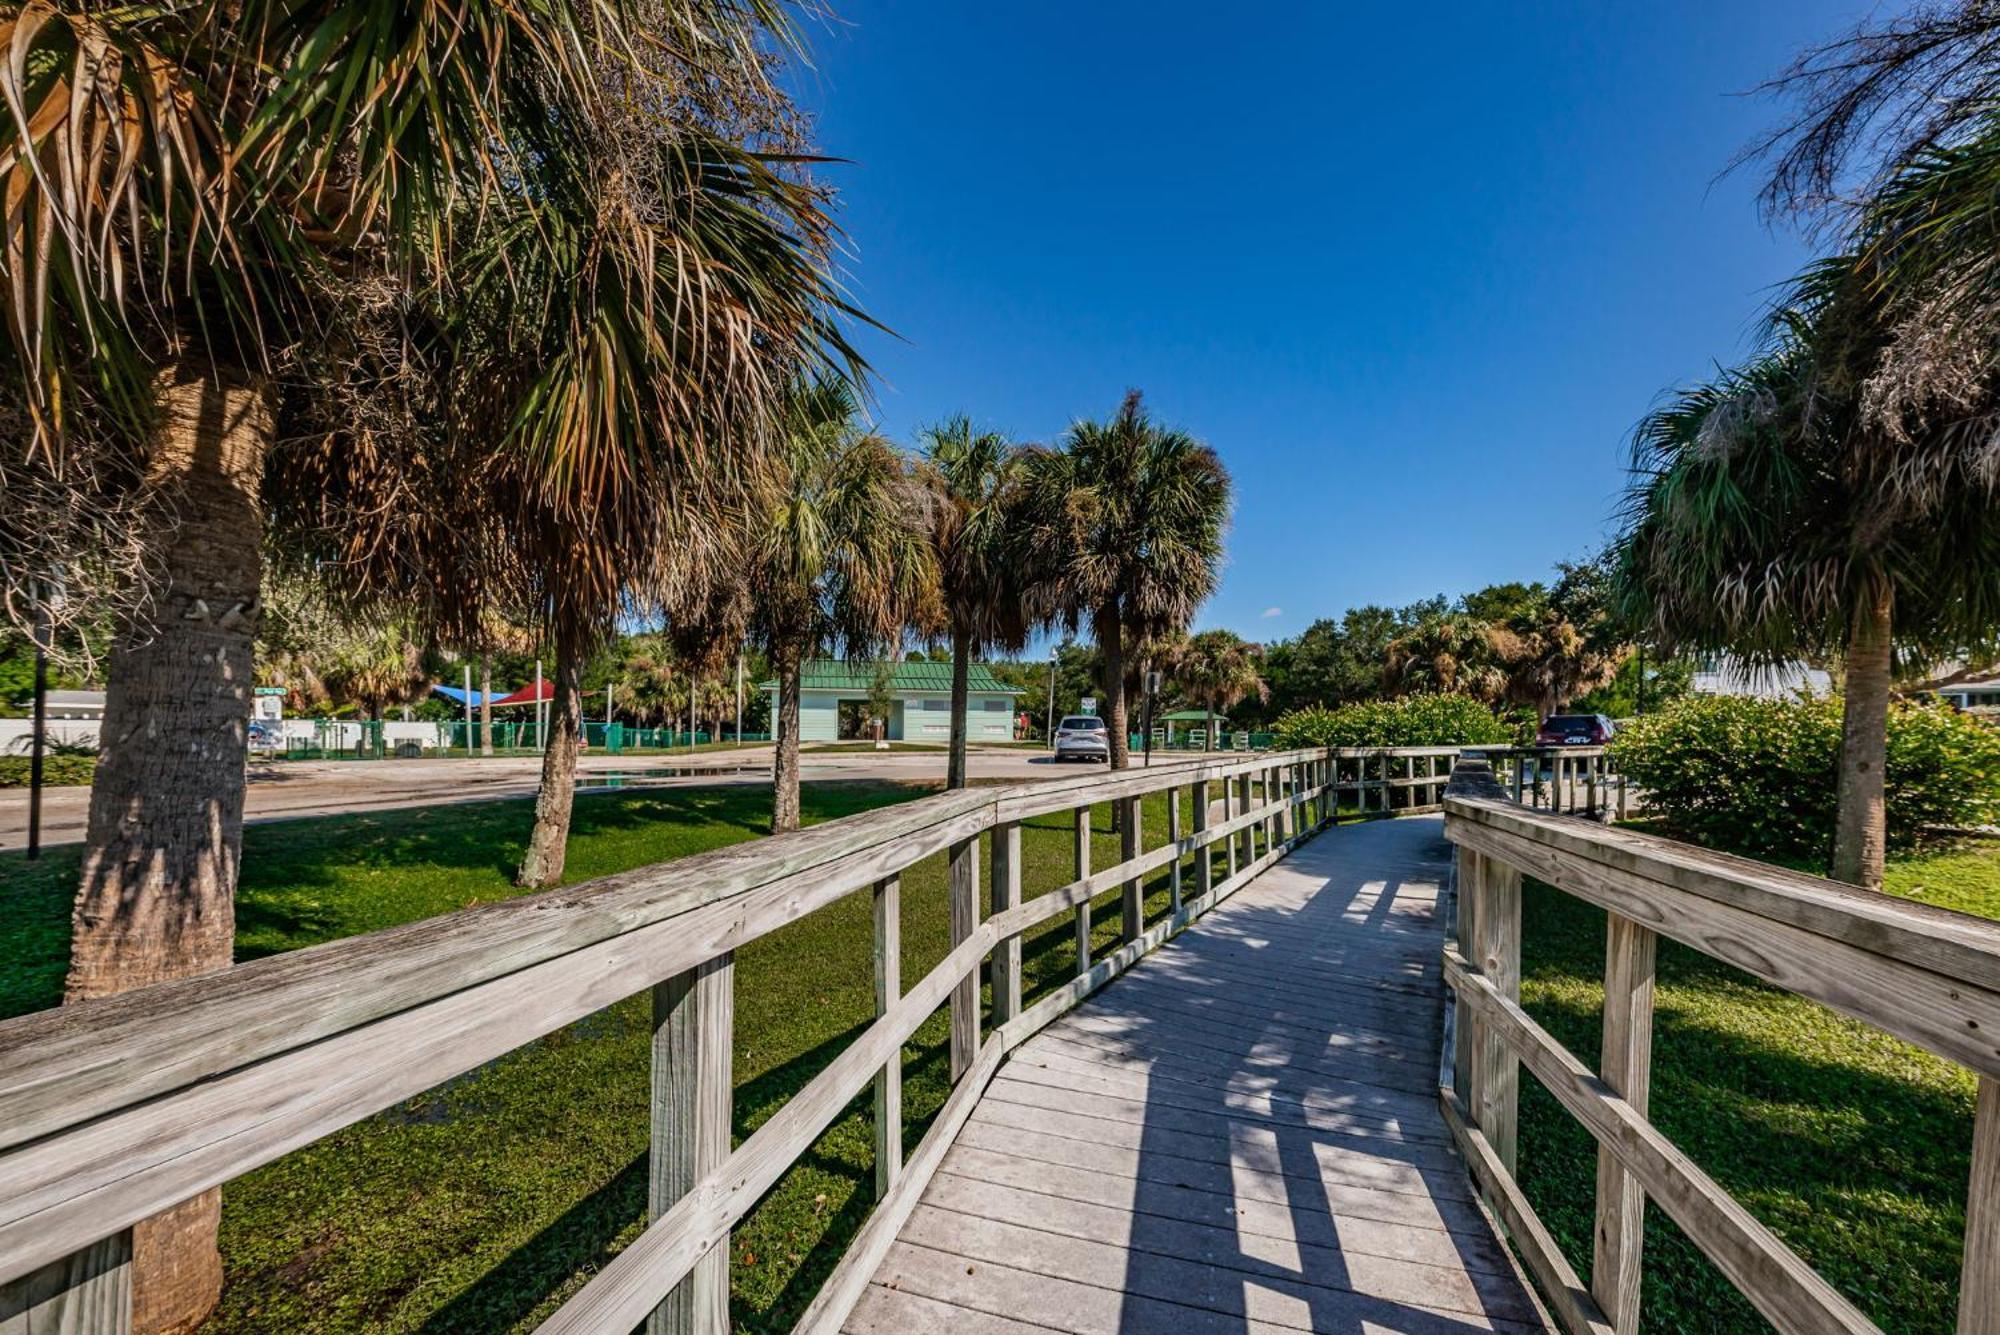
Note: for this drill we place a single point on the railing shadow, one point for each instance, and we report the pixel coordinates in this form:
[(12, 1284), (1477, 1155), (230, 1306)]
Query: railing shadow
[(1288, 1046)]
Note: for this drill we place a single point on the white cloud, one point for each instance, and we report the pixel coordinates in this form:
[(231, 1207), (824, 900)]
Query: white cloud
[(1270, 612)]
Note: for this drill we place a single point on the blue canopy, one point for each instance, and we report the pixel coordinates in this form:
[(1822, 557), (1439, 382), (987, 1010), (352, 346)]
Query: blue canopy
[(458, 696)]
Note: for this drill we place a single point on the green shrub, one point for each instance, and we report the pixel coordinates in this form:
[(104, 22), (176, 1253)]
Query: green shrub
[(1760, 777), (57, 771), (1414, 720)]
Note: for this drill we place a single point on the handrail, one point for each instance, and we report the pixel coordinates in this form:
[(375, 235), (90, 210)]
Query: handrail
[(1924, 974), (114, 1110)]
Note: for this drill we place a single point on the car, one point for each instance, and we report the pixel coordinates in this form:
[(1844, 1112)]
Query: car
[(1083, 737), (1574, 730)]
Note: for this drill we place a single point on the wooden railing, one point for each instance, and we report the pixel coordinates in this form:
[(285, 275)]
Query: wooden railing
[(1923, 974), (114, 1110)]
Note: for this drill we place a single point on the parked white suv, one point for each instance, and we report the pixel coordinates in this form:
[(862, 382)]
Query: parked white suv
[(1083, 737)]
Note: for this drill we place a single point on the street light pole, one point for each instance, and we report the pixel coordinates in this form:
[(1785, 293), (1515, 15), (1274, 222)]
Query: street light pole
[(1052, 699), (1152, 686), (41, 729)]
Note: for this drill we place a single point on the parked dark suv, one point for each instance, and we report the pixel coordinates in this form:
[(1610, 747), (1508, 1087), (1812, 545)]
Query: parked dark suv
[(1574, 730)]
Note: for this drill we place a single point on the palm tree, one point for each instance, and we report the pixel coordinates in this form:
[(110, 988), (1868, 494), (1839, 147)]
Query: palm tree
[(839, 561), (1123, 529), (1776, 515), (1218, 668), (975, 509), (1450, 653), (240, 238)]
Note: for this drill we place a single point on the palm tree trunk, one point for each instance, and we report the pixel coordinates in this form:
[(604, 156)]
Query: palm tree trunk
[(548, 844), (1208, 742), (961, 671), (156, 898), (1860, 832), (1110, 641), (785, 766), (485, 705)]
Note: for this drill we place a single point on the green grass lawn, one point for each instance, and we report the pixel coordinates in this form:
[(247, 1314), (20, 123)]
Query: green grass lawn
[(1852, 1146), (480, 1204)]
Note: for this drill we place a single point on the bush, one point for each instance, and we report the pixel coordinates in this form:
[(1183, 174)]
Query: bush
[(1414, 720), (57, 771), (1760, 777)]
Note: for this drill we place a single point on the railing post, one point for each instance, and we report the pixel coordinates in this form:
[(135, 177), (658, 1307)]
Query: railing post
[(1204, 871), (1464, 1072), (90, 1290), (1499, 958), (1133, 900), (1083, 906), (1174, 838), (1006, 894), (962, 873), (888, 989), (1629, 954), (1240, 842), (1979, 1279), (693, 1031)]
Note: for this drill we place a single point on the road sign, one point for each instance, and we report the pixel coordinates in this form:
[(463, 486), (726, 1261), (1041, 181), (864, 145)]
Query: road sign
[(1087, 705)]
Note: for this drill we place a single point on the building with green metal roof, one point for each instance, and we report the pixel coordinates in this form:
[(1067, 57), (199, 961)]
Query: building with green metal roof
[(833, 701)]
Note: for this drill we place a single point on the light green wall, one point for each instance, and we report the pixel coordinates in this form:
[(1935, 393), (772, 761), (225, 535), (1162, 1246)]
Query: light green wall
[(991, 716)]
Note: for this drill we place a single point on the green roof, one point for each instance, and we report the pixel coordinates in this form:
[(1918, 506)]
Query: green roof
[(1188, 716), (912, 674)]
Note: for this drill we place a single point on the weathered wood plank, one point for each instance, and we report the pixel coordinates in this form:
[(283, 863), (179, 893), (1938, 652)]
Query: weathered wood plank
[(1174, 838), (1630, 952), (1574, 1307), (1204, 858), (88, 1293), (1497, 1090), (962, 890), (1957, 945), (1006, 894), (1082, 818), (693, 1027), (1132, 900), (1952, 1017), (831, 1305), (1979, 1277), (889, 1077), (1777, 1283)]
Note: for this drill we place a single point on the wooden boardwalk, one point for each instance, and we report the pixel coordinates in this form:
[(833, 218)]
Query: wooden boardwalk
[(1240, 1135)]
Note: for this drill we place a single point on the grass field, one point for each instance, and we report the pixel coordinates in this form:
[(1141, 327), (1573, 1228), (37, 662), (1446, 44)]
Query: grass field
[(1853, 1146), (478, 1205)]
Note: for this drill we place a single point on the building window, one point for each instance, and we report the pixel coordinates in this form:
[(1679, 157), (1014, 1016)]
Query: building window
[(994, 706)]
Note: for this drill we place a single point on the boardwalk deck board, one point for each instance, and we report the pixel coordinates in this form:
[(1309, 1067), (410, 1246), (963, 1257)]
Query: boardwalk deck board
[(1241, 1136)]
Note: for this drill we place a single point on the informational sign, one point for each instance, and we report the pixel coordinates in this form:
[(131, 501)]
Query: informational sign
[(267, 718), (1087, 705)]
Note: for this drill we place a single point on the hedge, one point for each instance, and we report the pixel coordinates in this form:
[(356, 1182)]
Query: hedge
[(1761, 777), (1414, 720), (57, 771)]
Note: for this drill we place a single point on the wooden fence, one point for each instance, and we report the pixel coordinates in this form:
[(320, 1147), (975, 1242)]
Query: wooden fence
[(1925, 975), (114, 1110)]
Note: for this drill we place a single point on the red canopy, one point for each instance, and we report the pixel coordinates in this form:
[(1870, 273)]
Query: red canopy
[(527, 696)]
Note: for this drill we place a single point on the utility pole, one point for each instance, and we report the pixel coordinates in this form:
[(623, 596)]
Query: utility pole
[(468, 711), (1054, 653), (1152, 686), (739, 697), (41, 723), (541, 721)]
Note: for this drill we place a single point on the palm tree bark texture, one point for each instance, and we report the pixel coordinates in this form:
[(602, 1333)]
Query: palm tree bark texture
[(1860, 827), (785, 733), (548, 844), (157, 895)]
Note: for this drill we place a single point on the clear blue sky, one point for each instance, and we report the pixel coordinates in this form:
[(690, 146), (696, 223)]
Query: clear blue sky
[(1414, 270)]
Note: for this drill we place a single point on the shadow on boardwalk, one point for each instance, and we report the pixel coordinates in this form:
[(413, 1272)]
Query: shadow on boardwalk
[(1240, 1135)]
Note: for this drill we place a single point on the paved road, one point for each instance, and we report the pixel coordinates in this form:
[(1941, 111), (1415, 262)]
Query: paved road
[(288, 790)]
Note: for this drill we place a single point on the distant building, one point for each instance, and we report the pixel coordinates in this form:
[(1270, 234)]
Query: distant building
[(73, 704), (833, 702), (1973, 693), (1720, 674)]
